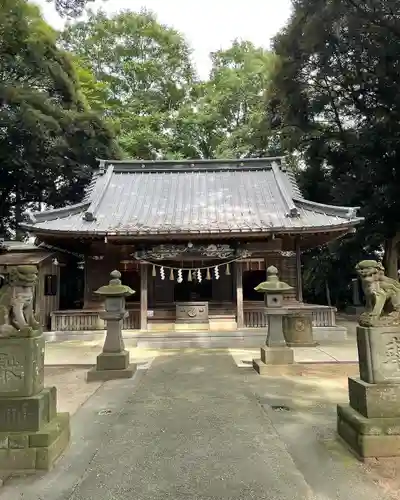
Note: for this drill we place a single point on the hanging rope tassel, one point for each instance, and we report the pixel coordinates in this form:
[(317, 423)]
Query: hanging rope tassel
[(162, 273), (154, 272), (171, 275), (199, 275), (179, 278), (189, 276), (227, 270), (208, 275)]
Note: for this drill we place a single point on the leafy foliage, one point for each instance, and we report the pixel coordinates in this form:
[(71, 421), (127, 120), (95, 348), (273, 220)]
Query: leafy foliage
[(70, 8), (225, 115), (49, 138), (145, 72), (336, 101)]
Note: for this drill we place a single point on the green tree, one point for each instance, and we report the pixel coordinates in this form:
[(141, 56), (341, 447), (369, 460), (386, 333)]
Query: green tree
[(336, 100), (70, 8), (146, 71), (225, 115), (49, 139)]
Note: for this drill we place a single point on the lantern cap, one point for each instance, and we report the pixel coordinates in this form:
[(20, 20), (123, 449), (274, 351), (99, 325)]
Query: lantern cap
[(273, 284), (115, 288)]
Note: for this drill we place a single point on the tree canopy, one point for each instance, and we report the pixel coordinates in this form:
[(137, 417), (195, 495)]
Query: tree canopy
[(146, 73), (337, 102), (224, 116), (70, 8), (49, 138)]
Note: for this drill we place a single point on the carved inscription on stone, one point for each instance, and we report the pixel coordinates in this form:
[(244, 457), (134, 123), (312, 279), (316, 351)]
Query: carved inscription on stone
[(392, 353), (14, 416), (11, 372), (192, 311)]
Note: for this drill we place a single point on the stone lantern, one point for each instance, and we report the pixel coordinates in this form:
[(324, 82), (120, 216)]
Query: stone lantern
[(113, 362), (276, 351)]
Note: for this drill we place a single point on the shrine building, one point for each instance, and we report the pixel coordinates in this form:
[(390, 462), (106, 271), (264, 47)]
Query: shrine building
[(192, 238)]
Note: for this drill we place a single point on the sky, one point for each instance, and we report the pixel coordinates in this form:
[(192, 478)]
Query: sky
[(208, 25)]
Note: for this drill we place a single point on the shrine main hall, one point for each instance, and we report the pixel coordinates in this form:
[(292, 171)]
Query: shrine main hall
[(193, 238)]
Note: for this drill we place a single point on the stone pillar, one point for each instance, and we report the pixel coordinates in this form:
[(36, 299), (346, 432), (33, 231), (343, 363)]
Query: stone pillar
[(276, 351), (239, 295), (370, 423), (143, 295), (299, 276), (32, 433), (113, 362), (355, 288)]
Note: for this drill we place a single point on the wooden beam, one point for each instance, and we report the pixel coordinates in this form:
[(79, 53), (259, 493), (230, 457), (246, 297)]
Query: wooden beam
[(299, 277), (239, 294), (143, 295)]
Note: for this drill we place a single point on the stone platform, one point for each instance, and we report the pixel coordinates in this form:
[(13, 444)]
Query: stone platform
[(370, 423), (32, 433)]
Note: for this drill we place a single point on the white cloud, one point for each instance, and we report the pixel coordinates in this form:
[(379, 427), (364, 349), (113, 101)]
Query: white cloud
[(207, 25)]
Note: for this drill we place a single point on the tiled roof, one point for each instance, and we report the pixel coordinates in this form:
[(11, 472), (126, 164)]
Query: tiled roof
[(214, 196)]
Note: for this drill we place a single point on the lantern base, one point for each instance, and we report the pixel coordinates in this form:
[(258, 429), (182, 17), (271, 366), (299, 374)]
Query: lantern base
[(95, 375), (273, 356), (110, 366)]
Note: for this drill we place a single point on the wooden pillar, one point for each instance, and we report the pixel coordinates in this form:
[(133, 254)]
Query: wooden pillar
[(87, 290), (143, 296), (299, 278), (239, 294)]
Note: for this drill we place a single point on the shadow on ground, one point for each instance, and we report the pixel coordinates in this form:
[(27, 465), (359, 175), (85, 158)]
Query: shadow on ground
[(301, 403)]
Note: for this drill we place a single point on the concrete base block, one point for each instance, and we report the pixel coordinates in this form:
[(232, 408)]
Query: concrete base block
[(374, 400), (113, 361), (273, 356), (368, 437), (22, 451), (95, 375), (277, 355), (260, 367)]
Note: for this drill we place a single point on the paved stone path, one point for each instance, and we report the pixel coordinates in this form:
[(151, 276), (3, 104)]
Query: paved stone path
[(190, 428)]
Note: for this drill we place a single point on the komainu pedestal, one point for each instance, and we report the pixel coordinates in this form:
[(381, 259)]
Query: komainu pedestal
[(32, 433), (370, 423)]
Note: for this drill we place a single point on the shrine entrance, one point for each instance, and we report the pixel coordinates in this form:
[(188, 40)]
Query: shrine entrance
[(193, 290)]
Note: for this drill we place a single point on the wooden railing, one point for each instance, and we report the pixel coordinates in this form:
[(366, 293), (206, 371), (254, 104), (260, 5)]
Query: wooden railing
[(321, 315), (254, 317), (80, 320)]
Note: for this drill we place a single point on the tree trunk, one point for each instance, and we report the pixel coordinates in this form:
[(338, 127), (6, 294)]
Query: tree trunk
[(328, 294), (390, 260), (19, 233)]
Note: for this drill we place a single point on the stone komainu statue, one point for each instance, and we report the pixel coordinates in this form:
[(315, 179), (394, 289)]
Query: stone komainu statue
[(16, 302), (382, 295)]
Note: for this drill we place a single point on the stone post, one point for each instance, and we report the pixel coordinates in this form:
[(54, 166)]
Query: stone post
[(355, 292), (32, 434), (276, 352), (370, 423), (113, 362)]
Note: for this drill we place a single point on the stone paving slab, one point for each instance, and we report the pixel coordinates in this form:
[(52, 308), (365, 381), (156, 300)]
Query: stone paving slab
[(188, 430), (85, 353), (325, 354), (194, 426), (341, 353)]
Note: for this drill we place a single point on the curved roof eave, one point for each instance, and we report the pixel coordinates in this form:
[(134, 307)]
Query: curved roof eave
[(278, 230), (56, 213)]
